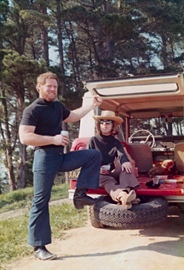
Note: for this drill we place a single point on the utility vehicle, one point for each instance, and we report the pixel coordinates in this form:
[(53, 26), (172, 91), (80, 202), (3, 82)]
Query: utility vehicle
[(153, 130)]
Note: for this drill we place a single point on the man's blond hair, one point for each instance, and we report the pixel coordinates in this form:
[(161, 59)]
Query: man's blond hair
[(41, 79)]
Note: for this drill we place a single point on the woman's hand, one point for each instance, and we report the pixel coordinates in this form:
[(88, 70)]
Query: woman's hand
[(105, 169), (132, 161), (127, 166)]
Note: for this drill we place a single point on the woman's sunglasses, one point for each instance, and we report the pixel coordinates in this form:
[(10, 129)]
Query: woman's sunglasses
[(108, 122)]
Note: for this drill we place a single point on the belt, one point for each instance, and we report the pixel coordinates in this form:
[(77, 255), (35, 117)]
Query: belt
[(49, 147)]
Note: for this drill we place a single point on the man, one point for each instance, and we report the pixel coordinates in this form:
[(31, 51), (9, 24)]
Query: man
[(40, 127)]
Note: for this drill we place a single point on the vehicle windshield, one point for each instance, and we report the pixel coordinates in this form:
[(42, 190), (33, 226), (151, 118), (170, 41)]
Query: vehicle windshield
[(163, 126)]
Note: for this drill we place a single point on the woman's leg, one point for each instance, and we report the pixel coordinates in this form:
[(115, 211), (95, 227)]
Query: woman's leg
[(120, 190), (128, 180), (110, 184)]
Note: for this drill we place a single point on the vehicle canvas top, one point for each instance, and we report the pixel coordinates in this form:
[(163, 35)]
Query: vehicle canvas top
[(151, 96)]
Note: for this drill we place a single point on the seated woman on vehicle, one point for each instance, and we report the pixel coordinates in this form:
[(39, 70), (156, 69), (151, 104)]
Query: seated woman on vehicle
[(118, 180)]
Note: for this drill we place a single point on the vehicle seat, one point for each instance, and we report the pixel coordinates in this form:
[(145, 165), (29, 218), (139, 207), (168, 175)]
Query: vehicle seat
[(179, 157), (142, 155)]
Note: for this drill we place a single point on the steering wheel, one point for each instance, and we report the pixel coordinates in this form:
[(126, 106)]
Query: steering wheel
[(147, 137)]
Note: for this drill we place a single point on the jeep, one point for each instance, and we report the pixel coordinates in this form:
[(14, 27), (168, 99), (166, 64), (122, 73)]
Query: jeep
[(153, 132)]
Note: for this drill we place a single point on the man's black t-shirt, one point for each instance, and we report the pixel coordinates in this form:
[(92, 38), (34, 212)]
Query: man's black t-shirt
[(46, 116)]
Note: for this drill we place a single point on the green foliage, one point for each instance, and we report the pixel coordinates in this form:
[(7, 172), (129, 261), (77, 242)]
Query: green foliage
[(66, 217), (19, 74), (100, 39), (59, 191), (14, 237), (23, 197), (15, 199)]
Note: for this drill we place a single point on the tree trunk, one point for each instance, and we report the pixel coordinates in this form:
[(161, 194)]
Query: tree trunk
[(11, 175), (164, 52), (6, 135), (60, 44), (44, 36), (22, 167), (61, 58)]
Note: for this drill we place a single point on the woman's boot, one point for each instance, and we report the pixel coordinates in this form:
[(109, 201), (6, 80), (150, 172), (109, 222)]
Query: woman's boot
[(127, 198), (136, 201)]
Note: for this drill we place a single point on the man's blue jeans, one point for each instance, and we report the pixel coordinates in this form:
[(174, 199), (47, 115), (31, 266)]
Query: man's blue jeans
[(47, 163)]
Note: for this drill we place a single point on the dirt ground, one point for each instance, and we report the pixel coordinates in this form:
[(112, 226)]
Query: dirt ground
[(88, 248)]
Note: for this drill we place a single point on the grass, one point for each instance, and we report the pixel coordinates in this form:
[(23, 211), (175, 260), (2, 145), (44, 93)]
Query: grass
[(22, 198), (13, 236)]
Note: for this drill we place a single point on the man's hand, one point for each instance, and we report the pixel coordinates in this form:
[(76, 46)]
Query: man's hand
[(61, 140), (77, 114), (127, 166), (97, 101)]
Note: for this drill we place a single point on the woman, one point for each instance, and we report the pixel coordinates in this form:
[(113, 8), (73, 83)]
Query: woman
[(118, 180)]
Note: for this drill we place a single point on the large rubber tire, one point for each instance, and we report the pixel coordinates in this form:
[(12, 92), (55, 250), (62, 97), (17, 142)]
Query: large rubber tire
[(181, 207), (151, 211)]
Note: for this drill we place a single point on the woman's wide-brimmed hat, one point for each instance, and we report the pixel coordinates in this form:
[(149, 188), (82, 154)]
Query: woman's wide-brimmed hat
[(109, 115)]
